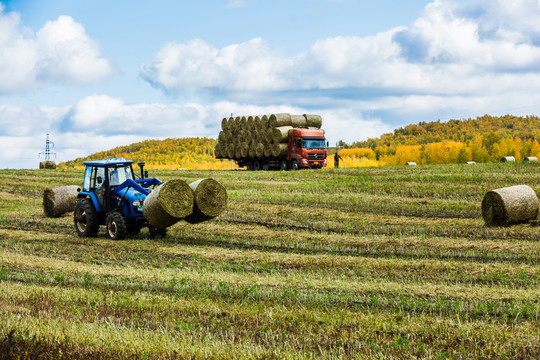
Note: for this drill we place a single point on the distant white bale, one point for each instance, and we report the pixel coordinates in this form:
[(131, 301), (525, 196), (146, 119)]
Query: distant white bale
[(530, 158), (508, 159), (410, 163)]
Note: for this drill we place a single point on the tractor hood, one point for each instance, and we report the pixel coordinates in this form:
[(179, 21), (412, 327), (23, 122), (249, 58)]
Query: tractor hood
[(131, 195)]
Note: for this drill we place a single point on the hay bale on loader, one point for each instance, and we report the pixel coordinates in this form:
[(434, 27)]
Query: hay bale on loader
[(510, 205), (60, 200), (210, 200), (168, 204)]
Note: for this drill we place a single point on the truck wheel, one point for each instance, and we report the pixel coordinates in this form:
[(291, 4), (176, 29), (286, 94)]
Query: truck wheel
[(157, 232), (283, 165), (116, 226), (294, 165), (85, 218), (249, 166), (256, 165)]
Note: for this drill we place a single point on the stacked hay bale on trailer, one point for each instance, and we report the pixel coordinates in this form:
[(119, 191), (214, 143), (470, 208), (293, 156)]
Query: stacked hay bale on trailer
[(275, 141)]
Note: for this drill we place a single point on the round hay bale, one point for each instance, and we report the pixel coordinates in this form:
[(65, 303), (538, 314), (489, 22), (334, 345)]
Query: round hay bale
[(281, 134), (268, 135), (210, 200), (167, 204), (264, 122), (410, 163), (510, 205), (244, 149), (250, 122), (252, 152), (508, 159), (47, 165), (282, 119), (313, 121), (531, 158), (267, 150), (230, 151), (298, 121), (279, 149), (259, 150), (60, 200), (224, 124)]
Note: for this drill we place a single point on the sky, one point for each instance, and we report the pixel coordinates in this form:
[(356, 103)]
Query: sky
[(100, 74)]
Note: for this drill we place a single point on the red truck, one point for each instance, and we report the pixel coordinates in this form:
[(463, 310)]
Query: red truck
[(305, 149), (276, 142)]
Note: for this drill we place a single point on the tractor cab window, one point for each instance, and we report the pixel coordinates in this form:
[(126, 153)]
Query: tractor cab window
[(98, 177), (118, 175), (87, 175)]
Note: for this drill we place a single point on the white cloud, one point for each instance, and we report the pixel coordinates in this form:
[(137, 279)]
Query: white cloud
[(59, 53), (447, 50)]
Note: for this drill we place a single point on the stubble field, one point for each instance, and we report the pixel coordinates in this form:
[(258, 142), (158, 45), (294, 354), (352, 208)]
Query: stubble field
[(347, 263)]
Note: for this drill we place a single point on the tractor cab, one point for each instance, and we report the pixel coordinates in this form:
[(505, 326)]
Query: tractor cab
[(102, 176), (112, 195)]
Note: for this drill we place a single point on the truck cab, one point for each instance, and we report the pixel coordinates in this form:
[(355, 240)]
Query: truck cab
[(307, 149)]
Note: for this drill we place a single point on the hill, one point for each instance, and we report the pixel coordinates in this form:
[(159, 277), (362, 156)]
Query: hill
[(189, 153), (483, 139)]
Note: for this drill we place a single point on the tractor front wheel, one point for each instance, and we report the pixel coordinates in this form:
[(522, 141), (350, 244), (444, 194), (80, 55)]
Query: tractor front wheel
[(85, 218), (116, 226)]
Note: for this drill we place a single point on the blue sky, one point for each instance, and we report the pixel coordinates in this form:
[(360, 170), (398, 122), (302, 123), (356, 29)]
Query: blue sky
[(105, 73)]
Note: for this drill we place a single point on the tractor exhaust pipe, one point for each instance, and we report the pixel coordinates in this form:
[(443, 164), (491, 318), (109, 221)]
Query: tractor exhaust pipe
[(141, 165)]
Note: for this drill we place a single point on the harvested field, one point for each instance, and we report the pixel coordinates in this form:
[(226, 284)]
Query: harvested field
[(337, 263)]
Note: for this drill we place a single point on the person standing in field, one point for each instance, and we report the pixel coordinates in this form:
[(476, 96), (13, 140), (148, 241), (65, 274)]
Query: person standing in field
[(336, 160)]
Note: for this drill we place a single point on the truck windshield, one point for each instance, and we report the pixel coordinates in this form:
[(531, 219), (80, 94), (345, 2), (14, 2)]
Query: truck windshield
[(313, 144), (118, 175)]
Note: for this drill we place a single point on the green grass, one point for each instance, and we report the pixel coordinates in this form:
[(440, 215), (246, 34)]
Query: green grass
[(349, 263)]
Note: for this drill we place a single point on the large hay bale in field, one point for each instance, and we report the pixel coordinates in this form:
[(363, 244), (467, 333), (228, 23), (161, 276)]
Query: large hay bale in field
[(280, 134), (313, 121), (168, 203), (47, 165), (531, 158), (210, 200), (60, 200), (410, 163), (298, 122), (508, 159), (510, 205)]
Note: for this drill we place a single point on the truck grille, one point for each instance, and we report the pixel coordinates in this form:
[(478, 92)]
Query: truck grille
[(315, 156)]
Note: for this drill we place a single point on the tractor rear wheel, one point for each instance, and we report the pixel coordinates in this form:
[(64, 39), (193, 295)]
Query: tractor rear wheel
[(116, 226), (85, 218)]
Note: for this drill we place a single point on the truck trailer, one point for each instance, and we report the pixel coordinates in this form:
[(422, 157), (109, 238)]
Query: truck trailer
[(273, 142)]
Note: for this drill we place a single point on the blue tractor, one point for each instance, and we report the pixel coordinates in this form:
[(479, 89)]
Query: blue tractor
[(113, 196)]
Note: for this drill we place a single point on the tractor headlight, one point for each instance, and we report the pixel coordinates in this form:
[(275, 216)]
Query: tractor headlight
[(137, 203), (304, 161)]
